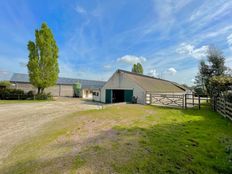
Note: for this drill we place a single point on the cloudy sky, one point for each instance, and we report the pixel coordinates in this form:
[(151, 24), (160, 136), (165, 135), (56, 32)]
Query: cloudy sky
[(97, 37)]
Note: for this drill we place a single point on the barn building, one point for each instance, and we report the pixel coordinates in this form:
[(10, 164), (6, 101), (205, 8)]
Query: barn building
[(123, 85), (64, 86)]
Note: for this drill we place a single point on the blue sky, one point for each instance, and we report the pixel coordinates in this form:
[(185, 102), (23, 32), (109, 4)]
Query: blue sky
[(96, 37)]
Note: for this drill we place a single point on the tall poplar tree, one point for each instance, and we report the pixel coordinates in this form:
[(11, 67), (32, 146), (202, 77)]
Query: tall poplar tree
[(43, 65)]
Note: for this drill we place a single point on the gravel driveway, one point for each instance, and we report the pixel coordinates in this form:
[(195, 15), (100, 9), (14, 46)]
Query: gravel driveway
[(21, 120)]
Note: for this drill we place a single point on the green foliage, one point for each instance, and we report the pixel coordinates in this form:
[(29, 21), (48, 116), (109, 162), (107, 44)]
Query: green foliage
[(199, 91), (43, 59), (221, 81), (77, 89), (215, 66), (5, 84), (220, 84), (12, 94), (43, 96), (18, 94), (137, 68), (30, 94)]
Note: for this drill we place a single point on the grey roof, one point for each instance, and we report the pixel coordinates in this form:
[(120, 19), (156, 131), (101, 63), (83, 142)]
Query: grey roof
[(91, 84), (153, 84)]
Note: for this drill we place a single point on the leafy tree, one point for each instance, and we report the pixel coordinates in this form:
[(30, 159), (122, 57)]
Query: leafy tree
[(5, 84), (134, 68), (137, 68), (43, 59), (214, 66), (140, 68), (220, 84)]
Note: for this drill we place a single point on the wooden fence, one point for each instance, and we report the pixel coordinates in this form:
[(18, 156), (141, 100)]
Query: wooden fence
[(222, 106)]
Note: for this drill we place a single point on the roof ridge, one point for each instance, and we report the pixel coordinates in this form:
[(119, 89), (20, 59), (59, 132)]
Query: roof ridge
[(147, 76), (144, 75), (60, 77)]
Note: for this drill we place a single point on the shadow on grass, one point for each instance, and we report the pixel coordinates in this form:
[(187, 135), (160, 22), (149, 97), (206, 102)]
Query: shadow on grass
[(202, 146)]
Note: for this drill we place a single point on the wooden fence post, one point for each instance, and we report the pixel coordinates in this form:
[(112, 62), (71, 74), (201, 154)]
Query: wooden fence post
[(214, 103), (150, 99), (185, 101), (193, 98), (224, 105), (199, 102)]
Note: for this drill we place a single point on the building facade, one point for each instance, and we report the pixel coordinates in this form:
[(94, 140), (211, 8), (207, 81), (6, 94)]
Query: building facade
[(124, 85), (63, 88)]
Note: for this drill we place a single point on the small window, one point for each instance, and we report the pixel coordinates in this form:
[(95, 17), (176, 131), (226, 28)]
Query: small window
[(95, 93)]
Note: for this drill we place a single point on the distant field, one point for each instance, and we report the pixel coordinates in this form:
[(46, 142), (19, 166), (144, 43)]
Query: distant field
[(128, 139)]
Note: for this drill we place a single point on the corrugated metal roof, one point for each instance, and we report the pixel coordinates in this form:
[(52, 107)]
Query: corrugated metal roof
[(92, 84), (153, 84)]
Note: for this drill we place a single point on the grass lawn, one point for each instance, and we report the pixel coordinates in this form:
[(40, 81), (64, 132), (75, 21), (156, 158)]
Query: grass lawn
[(20, 101), (128, 139)]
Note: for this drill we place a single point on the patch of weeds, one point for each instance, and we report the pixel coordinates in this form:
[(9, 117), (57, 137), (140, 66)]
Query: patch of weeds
[(78, 162)]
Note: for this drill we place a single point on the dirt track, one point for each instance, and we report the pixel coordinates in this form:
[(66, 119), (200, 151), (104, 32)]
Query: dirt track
[(21, 120)]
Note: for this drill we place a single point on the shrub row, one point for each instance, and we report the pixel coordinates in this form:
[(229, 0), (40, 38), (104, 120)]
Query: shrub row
[(17, 94)]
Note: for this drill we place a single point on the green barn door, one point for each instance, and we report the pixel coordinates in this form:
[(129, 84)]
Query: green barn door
[(108, 96), (128, 95)]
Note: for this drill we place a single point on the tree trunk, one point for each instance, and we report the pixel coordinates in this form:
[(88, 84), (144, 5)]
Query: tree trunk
[(38, 90), (42, 90)]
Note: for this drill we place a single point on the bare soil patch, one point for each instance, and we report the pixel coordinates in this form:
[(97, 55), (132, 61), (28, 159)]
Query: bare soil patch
[(21, 120)]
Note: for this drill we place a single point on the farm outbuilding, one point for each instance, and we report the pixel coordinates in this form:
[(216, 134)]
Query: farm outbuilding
[(63, 87), (124, 85)]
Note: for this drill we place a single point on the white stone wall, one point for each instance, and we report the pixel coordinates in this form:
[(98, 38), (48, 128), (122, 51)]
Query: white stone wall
[(119, 81)]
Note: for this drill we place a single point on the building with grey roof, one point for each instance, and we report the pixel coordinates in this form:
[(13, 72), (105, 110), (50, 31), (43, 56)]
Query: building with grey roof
[(63, 87), (123, 85)]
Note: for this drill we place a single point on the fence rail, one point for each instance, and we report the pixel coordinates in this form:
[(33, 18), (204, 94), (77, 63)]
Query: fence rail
[(223, 107), (174, 100)]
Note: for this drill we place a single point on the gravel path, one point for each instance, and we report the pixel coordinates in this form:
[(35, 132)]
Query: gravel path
[(21, 120)]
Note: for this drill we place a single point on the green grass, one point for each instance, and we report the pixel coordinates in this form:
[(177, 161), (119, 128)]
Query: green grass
[(128, 139), (21, 101)]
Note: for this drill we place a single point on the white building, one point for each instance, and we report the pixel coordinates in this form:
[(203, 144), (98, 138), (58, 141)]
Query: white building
[(63, 87), (123, 85)]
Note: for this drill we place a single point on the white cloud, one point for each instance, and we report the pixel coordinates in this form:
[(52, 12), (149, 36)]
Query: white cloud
[(131, 59), (80, 10), (188, 49), (229, 41), (172, 71), (217, 32), (209, 11), (153, 73), (107, 66)]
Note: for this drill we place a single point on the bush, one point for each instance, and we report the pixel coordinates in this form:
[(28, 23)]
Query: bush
[(5, 84), (43, 96), (30, 94), (12, 94), (18, 94)]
